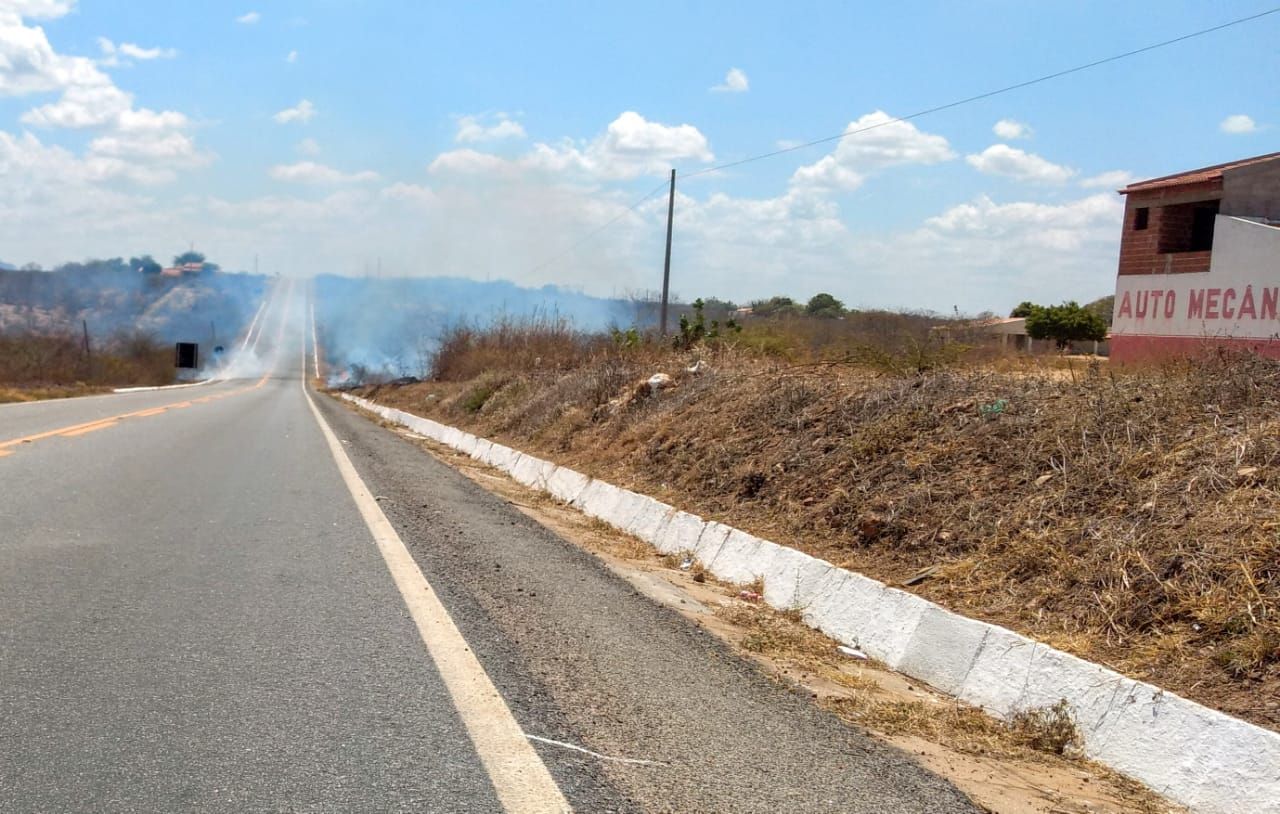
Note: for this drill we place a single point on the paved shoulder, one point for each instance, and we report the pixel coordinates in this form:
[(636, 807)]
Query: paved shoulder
[(583, 659)]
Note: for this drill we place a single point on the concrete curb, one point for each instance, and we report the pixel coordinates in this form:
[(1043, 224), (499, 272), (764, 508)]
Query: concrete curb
[(1195, 756), (160, 387)]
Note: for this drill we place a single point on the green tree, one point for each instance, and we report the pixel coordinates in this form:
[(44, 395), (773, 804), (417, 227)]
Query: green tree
[(1025, 309), (774, 306), (188, 257), (824, 305), (1065, 324), (145, 264)]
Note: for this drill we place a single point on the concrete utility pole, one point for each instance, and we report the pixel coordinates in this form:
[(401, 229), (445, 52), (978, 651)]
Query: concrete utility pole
[(666, 265)]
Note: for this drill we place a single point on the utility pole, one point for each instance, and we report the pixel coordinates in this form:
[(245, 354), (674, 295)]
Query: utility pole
[(88, 354), (666, 265)]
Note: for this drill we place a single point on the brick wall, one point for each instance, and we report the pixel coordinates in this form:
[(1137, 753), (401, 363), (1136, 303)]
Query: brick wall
[(1146, 251)]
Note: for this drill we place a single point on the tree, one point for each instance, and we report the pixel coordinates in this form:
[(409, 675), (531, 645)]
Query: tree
[(1065, 324), (1024, 309), (824, 305), (188, 257), (774, 306), (146, 264)]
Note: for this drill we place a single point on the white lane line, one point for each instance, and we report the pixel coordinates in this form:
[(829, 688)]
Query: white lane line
[(256, 316), (519, 776), (315, 344)]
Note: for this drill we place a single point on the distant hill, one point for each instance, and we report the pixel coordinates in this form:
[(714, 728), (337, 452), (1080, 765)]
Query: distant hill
[(112, 297)]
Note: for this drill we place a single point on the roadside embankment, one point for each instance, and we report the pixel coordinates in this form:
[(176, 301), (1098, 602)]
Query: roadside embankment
[(1199, 757)]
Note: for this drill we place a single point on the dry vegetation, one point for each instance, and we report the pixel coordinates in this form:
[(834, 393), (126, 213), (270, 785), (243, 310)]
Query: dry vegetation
[(49, 366), (1128, 517)]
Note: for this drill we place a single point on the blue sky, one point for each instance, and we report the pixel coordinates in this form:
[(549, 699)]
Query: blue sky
[(484, 139)]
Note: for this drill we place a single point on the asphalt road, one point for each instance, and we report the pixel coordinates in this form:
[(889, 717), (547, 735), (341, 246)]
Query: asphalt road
[(194, 617)]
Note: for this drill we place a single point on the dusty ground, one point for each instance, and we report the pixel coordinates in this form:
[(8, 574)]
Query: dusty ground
[(988, 760)]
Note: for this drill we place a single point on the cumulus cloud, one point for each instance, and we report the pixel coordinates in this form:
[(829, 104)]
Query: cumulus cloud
[(37, 9), (309, 146), (471, 129), (872, 142), (302, 112), (735, 81), (309, 172), (631, 146), (1238, 125), (1001, 159), (249, 18), (138, 144), (1010, 129), (121, 54), (1112, 179)]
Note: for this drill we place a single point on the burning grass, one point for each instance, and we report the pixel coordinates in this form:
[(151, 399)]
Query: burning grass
[(1130, 518)]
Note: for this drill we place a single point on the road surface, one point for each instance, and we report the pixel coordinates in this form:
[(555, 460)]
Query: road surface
[(222, 598)]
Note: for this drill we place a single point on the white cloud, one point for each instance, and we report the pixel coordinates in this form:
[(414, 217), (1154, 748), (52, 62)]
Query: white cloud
[(309, 172), (735, 81), (1010, 129), (468, 162), (471, 130), (114, 55), (1113, 179), (303, 112), (1239, 124), (1001, 159), (631, 146), (309, 146), (291, 57), (37, 9), (249, 18), (132, 143), (874, 141)]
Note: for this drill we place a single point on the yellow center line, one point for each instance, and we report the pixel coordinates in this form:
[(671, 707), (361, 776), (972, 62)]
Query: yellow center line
[(102, 425), (6, 447)]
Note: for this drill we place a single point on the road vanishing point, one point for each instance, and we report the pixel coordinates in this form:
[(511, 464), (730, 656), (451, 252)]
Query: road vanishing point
[(243, 596)]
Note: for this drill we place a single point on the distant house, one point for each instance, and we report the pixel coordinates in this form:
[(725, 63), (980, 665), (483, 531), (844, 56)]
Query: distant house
[(1200, 261), (182, 270)]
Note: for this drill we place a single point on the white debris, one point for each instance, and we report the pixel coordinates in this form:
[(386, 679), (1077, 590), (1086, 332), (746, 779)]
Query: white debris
[(699, 366), (658, 381), (852, 652)]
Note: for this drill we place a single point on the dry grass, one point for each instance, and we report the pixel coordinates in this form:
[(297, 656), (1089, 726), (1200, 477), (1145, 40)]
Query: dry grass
[(52, 365), (1130, 518)]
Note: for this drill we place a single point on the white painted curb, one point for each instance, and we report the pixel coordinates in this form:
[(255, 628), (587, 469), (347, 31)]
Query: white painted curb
[(1199, 757), (160, 387)]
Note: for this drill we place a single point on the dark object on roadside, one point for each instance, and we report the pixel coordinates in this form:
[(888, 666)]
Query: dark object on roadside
[(403, 380), (186, 355)]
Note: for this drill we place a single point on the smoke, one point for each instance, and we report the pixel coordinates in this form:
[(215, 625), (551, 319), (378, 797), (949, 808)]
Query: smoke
[(390, 327)]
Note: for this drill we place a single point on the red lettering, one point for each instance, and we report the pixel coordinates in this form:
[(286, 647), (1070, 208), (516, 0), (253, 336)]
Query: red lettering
[(1269, 298), (1195, 306), (1126, 307), (1228, 297), (1170, 302), (1155, 302), (1247, 307), (1211, 298), (1140, 309)]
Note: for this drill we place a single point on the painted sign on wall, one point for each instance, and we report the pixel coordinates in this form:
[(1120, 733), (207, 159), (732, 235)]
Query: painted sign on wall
[(1239, 297)]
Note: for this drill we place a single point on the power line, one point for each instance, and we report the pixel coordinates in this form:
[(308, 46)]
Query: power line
[(600, 228), (987, 95)]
